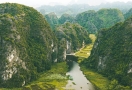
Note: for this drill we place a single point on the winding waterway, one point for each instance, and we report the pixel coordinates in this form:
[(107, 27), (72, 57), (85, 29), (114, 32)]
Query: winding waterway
[(77, 79)]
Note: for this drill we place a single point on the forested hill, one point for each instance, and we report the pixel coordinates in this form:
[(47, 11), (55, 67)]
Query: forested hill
[(74, 9), (91, 20), (73, 35), (26, 43), (128, 14), (52, 19), (104, 18), (112, 54), (28, 46)]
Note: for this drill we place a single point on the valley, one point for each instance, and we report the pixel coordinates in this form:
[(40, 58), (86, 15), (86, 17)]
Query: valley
[(88, 49)]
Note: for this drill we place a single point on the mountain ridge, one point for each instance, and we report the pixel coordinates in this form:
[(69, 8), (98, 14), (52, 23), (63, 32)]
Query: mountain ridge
[(111, 53)]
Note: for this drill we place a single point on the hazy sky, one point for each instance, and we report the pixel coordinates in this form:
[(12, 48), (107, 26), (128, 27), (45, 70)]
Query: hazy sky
[(36, 3)]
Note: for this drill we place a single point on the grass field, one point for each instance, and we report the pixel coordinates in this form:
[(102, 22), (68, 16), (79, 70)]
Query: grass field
[(97, 79), (56, 77), (85, 52), (50, 80)]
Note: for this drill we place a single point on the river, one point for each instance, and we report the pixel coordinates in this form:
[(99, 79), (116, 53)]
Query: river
[(77, 79)]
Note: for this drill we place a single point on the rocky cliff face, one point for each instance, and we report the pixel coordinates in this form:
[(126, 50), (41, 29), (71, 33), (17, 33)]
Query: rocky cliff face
[(112, 53), (27, 45), (71, 38)]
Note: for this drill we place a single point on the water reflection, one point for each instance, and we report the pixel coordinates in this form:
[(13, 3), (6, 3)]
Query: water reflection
[(77, 79)]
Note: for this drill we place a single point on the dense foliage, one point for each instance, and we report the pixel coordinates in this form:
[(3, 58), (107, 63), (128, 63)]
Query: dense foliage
[(25, 31), (128, 14), (52, 19), (71, 37), (103, 18), (89, 20), (112, 53), (66, 18)]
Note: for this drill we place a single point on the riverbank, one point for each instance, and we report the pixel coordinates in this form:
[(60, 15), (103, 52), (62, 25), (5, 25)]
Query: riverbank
[(50, 80), (56, 77), (78, 81), (95, 78)]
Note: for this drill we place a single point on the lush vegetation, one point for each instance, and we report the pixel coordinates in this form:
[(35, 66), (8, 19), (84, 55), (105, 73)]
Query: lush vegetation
[(85, 51), (52, 19), (95, 78), (53, 79), (104, 18), (25, 31), (128, 14), (100, 81), (66, 18), (90, 20), (28, 48), (111, 55), (72, 33)]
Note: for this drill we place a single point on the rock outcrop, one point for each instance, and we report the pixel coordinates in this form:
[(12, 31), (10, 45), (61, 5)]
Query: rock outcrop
[(27, 45), (112, 53)]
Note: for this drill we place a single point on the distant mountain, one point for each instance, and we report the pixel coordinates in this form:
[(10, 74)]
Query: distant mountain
[(60, 9), (66, 18), (128, 14), (74, 9), (110, 17), (52, 19), (104, 18), (112, 54)]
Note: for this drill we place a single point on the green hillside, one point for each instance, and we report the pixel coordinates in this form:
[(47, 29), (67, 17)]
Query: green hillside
[(66, 18), (128, 14), (73, 35), (25, 45), (103, 18), (111, 54), (52, 19)]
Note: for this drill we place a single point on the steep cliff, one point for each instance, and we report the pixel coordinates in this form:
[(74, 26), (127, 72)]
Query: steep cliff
[(27, 45), (112, 53), (71, 38)]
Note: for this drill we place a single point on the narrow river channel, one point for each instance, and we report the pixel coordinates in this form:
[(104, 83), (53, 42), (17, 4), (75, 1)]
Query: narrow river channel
[(77, 79)]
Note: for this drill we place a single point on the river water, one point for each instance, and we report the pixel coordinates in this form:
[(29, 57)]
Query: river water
[(77, 79)]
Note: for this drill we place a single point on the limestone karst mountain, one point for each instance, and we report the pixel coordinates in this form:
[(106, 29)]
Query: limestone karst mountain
[(25, 44), (112, 53), (103, 18)]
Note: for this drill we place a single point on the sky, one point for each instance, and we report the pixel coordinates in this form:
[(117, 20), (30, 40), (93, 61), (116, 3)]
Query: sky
[(37, 3)]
